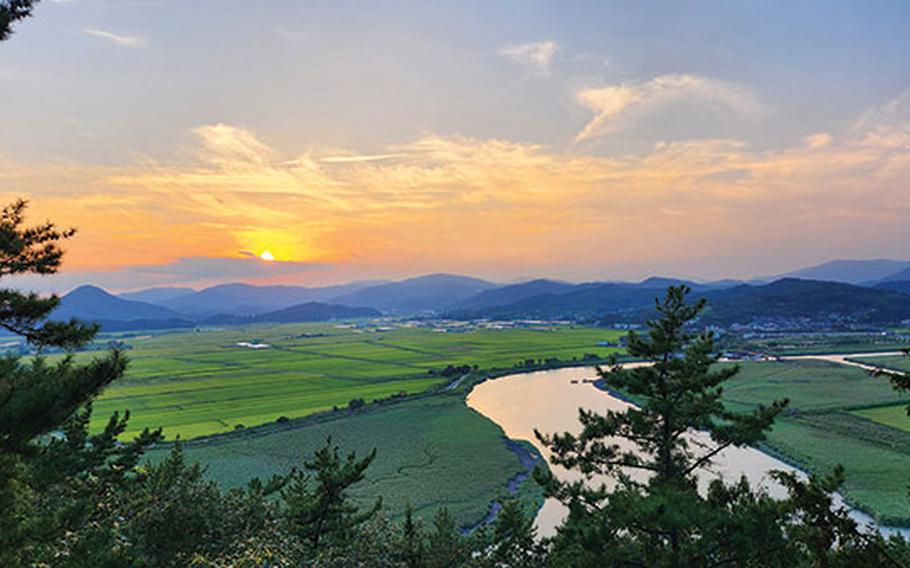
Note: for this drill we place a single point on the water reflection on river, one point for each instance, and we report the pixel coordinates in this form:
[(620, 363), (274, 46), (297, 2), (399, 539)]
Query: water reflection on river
[(549, 401)]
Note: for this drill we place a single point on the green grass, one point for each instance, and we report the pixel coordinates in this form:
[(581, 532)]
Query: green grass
[(837, 415), (896, 362), (818, 343), (196, 383), (894, 415), (431, 452), (810, 385)]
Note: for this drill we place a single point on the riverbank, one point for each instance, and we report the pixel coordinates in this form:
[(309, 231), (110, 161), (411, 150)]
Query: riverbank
[(550, 402)]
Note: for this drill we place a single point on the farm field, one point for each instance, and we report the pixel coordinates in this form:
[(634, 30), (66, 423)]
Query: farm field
[(816, 343), (201, 383), (430, 452), (837, 415), (897, 362), (434, 444), (894, 415)]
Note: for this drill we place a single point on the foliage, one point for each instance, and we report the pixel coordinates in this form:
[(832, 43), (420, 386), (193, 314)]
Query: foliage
[(681, 424), (11, 11), (319, 507), (54, 477)]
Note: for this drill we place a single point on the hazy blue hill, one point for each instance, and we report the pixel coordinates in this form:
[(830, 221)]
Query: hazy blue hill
[(797, 298), (788, 298), (306, 312), (902, 286), (249, 299), (94, 304), (549, 298), (582, 300), (509, 294), (853, 271), (662, 283), (156, 295), (424, 293), (899, 276), (144, 324)]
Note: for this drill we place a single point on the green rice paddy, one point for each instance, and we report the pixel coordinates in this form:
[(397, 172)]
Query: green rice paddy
[(201, 383)]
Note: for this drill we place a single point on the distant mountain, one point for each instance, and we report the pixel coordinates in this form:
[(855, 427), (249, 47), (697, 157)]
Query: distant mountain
[(792, 298), (899, 276), (306, 312), (590, 300), (156, 295), (94, 304), (144, 324), (511, 293), (662, 283), (852, 271), (902, 286), (424, 293), (90, 303), (249, 299), (788, 298)]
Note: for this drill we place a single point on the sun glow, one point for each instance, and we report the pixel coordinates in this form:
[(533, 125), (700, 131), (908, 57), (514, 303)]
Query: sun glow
[(267, 256)]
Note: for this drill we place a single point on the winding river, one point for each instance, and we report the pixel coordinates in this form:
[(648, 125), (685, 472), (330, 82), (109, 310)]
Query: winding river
[(549, 401)]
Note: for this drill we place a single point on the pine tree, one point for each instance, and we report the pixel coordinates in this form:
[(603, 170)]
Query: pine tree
[(514, 538), (316, 500), (52, 471), (411, 545), (445, 545), (11, 11), (679, 427)]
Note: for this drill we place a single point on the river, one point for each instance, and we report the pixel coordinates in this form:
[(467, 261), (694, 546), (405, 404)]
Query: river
[(549, 401)]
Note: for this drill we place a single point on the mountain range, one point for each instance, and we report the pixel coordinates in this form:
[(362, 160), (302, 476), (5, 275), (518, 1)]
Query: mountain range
[(306, 312), (854, 271), (861, 291)]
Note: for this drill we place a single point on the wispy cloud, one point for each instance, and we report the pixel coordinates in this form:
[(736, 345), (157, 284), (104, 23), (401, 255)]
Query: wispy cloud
[(479, 205), (536, 55), (355, 158), (818, 140), (618, 106), (119, 39)]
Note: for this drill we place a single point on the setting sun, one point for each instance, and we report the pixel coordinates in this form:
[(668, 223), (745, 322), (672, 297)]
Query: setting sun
[(267, 256)]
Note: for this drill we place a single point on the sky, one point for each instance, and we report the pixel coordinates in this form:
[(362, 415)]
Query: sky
[(502, 139)]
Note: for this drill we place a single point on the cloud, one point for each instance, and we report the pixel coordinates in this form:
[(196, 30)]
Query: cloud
[(537, 55), (122, 40), (354, 158), (232, 147), (194, 269), (181, 271), (616, 107), (819, 140), (479, 205)]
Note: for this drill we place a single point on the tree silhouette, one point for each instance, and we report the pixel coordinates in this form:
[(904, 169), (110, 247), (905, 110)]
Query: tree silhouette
[(11, 11)]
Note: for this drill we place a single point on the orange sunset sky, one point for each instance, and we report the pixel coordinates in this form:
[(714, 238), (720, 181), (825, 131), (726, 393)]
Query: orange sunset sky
[(503, 140)]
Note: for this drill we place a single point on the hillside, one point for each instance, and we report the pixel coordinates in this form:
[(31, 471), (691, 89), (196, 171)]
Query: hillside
[(788, 298), (852, 271), (94, 304), (156, 295), (792, 298), (306, 312), (580, 301), (902, 286), (249, 299), (899, 276), (509, 294), (424, 293)]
